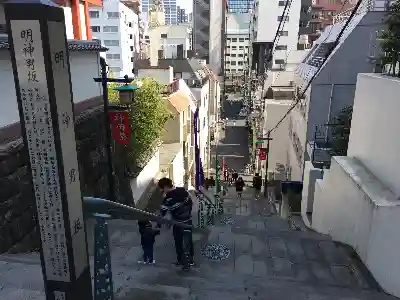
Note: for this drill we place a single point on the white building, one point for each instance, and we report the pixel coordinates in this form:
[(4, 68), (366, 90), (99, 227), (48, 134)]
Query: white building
[(117, 27), (357, 201), (333, 87), (237, 46), (265, 20)]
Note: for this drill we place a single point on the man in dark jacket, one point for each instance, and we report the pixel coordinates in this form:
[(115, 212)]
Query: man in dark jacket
[(178, 203), (257, 184)]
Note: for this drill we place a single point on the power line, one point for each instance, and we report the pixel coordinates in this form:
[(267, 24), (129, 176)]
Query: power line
[(320, 67), (295, 45)]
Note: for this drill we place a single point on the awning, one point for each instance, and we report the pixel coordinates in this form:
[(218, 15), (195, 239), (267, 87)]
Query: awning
[(179, 102)]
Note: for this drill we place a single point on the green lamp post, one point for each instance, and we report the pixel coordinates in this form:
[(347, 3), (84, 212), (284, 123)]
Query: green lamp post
[(126, 93)]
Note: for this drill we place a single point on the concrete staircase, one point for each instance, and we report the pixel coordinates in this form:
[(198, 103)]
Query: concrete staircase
[(268, 260)]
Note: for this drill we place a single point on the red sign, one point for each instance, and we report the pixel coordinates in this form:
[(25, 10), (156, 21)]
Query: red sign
[(121, 130), (262, 154)]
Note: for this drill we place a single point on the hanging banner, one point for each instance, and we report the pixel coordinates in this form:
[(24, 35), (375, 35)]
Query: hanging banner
[(120, 126), (262, 154)]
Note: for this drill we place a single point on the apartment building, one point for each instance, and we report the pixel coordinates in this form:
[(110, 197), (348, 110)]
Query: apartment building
[(236, 48), (182, 16), (171, 12), (209, 32), (333, 88), (117, 27), (240, 6), (266, 14)]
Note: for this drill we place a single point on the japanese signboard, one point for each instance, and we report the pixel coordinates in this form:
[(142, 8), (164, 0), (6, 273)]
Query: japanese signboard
[(63, 97), (262, 154), (121, 131), (41, 146)]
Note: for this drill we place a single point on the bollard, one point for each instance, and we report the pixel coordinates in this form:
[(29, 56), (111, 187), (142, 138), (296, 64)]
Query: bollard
[(103, 284)]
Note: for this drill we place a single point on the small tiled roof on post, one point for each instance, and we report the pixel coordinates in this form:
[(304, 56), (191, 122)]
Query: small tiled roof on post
[(73, 45)]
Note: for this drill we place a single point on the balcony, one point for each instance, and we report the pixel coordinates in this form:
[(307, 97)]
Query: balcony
[(319, 148)]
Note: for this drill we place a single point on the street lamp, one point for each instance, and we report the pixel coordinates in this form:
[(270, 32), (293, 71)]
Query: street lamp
[(126, 93)]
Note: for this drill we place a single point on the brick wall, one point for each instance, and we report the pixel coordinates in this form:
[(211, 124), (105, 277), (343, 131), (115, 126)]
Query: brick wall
[(18, 231)]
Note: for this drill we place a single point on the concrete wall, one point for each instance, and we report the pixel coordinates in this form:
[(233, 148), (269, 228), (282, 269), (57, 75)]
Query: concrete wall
[(140, 184), (374, 128), (215, 40), (84, 67), (279, 146), (18, 232), (172, 131), (364, 214), (178, 169), (163, 76)]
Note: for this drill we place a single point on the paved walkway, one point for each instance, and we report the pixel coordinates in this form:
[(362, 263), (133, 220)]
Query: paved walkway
[(267, 261)]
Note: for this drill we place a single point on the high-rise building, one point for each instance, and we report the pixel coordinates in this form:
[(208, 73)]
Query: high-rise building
[(182, 17), (171, 12), (117, 27), (209, 32), (239, 6), (145, 9)]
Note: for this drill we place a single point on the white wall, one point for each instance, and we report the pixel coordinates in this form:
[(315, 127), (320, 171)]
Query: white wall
[(375, 128), (68, 22), (84, 67), (164, 76), (362, 213), (279, 146), (145, 177), (203, 121), (179, 169)]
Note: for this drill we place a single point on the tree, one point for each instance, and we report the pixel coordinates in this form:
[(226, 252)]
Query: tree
[(147, 115), (340, 131), (390, 40)]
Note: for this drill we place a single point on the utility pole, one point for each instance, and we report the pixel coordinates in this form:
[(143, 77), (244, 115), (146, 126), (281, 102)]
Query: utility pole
[(268, 138)]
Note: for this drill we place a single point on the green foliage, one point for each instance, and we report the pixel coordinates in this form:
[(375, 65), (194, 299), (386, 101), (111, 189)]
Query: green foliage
[(340, 131), (148, 115), (390, 40)]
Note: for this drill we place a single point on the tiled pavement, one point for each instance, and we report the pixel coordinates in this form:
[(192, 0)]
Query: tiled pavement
[(268, 261)]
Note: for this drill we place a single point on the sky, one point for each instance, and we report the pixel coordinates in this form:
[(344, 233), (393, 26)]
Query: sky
[(186, 4)]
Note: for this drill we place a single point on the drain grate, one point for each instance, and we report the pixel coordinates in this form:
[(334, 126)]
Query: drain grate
[(227, 221), (216, 252)]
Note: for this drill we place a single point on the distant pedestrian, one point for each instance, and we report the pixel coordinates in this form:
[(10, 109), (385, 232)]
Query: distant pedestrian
[(179, 204), (239, 185), (235, 175), (257, 184), (147, 239)]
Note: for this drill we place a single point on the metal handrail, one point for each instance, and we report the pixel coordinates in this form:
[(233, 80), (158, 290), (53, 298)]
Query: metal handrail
[(103, 210)]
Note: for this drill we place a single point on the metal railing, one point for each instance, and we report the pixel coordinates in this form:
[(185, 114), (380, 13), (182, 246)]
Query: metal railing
[(102, 211)]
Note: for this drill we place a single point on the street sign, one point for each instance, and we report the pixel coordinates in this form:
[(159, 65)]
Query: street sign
[(40, 62), (259, 141), (262, 154)]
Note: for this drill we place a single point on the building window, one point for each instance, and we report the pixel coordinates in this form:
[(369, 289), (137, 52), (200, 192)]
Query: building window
[(240, 63), (95, 28), (110, 28), (131, 36), (241, 47), (130, 24), (228, 62), (164, 35), (233, 63), (283, 33), (282, 3), (234, 47), (113, 15), (132, 59), (132, 48), (241, 40), (114, 69), (279, 61), (94, 14), (233, 55), (113, 56), (146, 37), (111, 43), (234, 39), (285, 19), (240, 55), (281, 47)]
